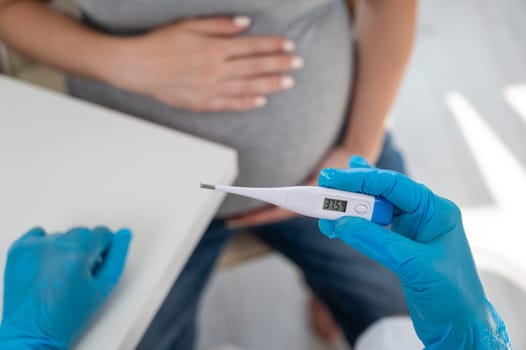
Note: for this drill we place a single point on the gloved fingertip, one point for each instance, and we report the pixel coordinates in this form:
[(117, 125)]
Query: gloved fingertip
[(327, 228), (124, 234), (325, 176), (103, 234), (102, 230), (121, 242), (123, 238), (78, 230), (115, 260), (358, 162), (35, 232)]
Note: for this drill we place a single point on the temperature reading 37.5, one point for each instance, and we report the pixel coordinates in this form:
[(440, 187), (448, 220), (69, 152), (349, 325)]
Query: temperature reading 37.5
[(334, 205)]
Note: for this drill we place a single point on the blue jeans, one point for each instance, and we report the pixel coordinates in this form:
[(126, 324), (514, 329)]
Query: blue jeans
[(356, 290)]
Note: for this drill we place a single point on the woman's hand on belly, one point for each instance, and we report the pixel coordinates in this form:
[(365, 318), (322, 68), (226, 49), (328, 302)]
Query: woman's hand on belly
[(205, 65), (338, 158)]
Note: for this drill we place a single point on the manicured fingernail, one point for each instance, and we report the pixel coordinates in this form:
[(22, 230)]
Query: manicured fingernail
[(242, 21), (289, 46), (287, 82), (297, 62), (260, 101)]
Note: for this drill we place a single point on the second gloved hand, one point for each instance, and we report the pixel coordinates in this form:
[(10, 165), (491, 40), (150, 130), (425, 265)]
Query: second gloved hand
[(54, 284), (428, 250)]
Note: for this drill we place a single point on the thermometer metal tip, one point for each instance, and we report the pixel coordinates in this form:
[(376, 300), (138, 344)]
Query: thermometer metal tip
[(207, 186)]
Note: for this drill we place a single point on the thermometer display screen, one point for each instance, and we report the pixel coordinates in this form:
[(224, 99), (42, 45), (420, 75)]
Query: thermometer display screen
[(334, 205)]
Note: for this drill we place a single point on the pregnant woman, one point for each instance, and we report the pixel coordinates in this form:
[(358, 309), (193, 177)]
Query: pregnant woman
[(294, 86)]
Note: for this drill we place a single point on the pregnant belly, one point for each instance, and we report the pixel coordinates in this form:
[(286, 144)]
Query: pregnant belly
[(279, 144)]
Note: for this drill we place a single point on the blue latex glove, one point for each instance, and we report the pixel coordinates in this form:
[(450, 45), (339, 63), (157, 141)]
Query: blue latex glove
[(428, 250), (54, 284)]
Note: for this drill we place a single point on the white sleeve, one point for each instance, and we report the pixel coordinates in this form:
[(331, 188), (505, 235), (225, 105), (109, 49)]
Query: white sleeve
[(390, 333)]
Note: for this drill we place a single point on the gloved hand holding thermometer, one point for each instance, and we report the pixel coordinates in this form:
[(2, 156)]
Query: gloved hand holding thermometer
[(54, 284), (428, 250)]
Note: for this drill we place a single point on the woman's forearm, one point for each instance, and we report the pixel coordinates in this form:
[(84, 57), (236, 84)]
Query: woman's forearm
[(42, 33), (385, 33)]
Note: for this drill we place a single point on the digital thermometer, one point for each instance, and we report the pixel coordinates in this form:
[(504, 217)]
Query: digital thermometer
[(318, 202)]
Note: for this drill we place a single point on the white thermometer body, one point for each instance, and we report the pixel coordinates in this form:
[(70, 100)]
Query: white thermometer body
[(318, 202)]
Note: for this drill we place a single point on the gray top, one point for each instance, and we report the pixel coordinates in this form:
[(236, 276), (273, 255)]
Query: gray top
[(278, 145)]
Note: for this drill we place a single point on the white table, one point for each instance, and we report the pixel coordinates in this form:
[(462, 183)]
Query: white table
[(65, 163)]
